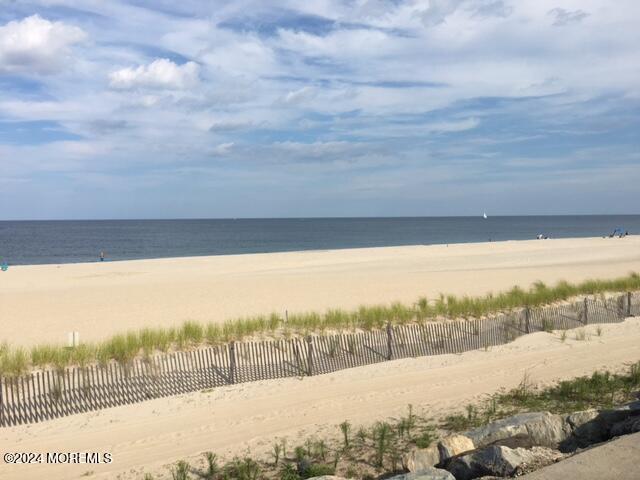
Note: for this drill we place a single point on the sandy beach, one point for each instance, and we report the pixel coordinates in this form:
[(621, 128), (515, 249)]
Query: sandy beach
[(230, 420), (42, 303)]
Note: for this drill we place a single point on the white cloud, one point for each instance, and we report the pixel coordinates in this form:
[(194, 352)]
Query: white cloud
[(438, 11), (373, 74), (453, 126), (315, 148), (223, 148), (299, 96), (36, 45), (161, 73), (228, 125)]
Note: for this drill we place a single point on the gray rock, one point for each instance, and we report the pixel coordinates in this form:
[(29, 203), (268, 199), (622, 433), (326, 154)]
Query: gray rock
[(523, 430), (620, 414), (578, 419), (494, 460), (422, 458), (549, 431), (591, 427), (454, 445), (630, 425), (633, 407), (587, 428), (430, 473)]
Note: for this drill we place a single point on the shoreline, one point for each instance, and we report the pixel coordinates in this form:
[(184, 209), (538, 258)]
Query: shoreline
[(312, 251), (42, 303)]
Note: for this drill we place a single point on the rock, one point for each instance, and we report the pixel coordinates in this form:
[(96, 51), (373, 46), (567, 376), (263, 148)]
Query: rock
[(494, 460), (422, 458), (587, 428), (523, 430), (454, 445), (543, 456), (620, 414), (430, 473), (578, 419), (501, 461), (632, 407), (591, 427), (521, 440), (630, 425)]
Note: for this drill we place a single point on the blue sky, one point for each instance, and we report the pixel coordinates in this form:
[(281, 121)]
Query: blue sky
[(256, 108)]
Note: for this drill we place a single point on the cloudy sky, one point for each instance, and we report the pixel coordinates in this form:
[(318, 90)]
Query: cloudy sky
[(258, 108)]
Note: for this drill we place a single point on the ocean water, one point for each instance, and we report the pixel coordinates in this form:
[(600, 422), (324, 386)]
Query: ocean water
[(40, 242)]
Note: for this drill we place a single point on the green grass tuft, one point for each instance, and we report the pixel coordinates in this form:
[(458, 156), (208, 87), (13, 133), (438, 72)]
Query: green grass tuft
[(125, 347)]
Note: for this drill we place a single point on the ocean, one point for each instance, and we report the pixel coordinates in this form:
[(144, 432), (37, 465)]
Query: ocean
[(70, 241)]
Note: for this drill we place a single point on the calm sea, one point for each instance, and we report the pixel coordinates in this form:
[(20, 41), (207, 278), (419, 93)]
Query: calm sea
[(37, 242)]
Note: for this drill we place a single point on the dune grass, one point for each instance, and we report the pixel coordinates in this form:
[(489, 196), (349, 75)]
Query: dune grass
[(376, 451), (600, 390), (125, 347), (372, 451)]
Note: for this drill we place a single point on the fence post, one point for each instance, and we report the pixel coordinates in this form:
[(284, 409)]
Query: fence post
[(527, 316), (309, 356), (389, 341), (232, 362), (586, 316), (628, 304)]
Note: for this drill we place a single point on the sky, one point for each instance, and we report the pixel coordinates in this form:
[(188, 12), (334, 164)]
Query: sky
[(258, 108)]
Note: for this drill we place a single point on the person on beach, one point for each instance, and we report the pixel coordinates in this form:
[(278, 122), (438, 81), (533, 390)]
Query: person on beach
[(102, 256)]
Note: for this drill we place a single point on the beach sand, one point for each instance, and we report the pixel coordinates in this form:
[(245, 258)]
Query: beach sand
[(43, 303), (149, 436)]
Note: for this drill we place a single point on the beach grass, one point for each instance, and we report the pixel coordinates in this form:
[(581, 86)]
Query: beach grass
[(600, 390), (376, 450), (125, 347)]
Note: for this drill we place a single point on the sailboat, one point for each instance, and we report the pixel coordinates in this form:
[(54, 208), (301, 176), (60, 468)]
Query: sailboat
[(484, 215)]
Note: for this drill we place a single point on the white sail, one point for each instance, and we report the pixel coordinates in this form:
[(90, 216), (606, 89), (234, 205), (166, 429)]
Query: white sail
[(484, 215)]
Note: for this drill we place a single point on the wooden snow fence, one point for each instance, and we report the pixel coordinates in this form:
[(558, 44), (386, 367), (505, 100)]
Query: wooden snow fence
[(47, 394)]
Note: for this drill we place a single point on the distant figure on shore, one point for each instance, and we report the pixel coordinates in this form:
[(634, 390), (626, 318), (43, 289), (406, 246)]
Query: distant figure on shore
[(5, 266), (540, 236), (102, 256)]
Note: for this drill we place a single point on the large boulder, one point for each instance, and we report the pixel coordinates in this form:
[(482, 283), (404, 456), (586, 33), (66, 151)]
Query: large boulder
[(500, 461), (454, 445), (620, 414), (630, 425), (592, 426), (523, 430), (430, 473), (587, 428), (632, 407), (494, 460), (422, 458)]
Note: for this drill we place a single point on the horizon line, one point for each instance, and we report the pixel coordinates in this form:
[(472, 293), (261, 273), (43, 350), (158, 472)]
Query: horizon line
[(349, 217)]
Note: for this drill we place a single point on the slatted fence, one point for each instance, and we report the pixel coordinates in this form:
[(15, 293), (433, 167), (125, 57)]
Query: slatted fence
[(47, 394)]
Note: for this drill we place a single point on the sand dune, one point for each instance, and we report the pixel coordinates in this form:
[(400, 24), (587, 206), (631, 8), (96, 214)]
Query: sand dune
[(146, 437), (43, 303)]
